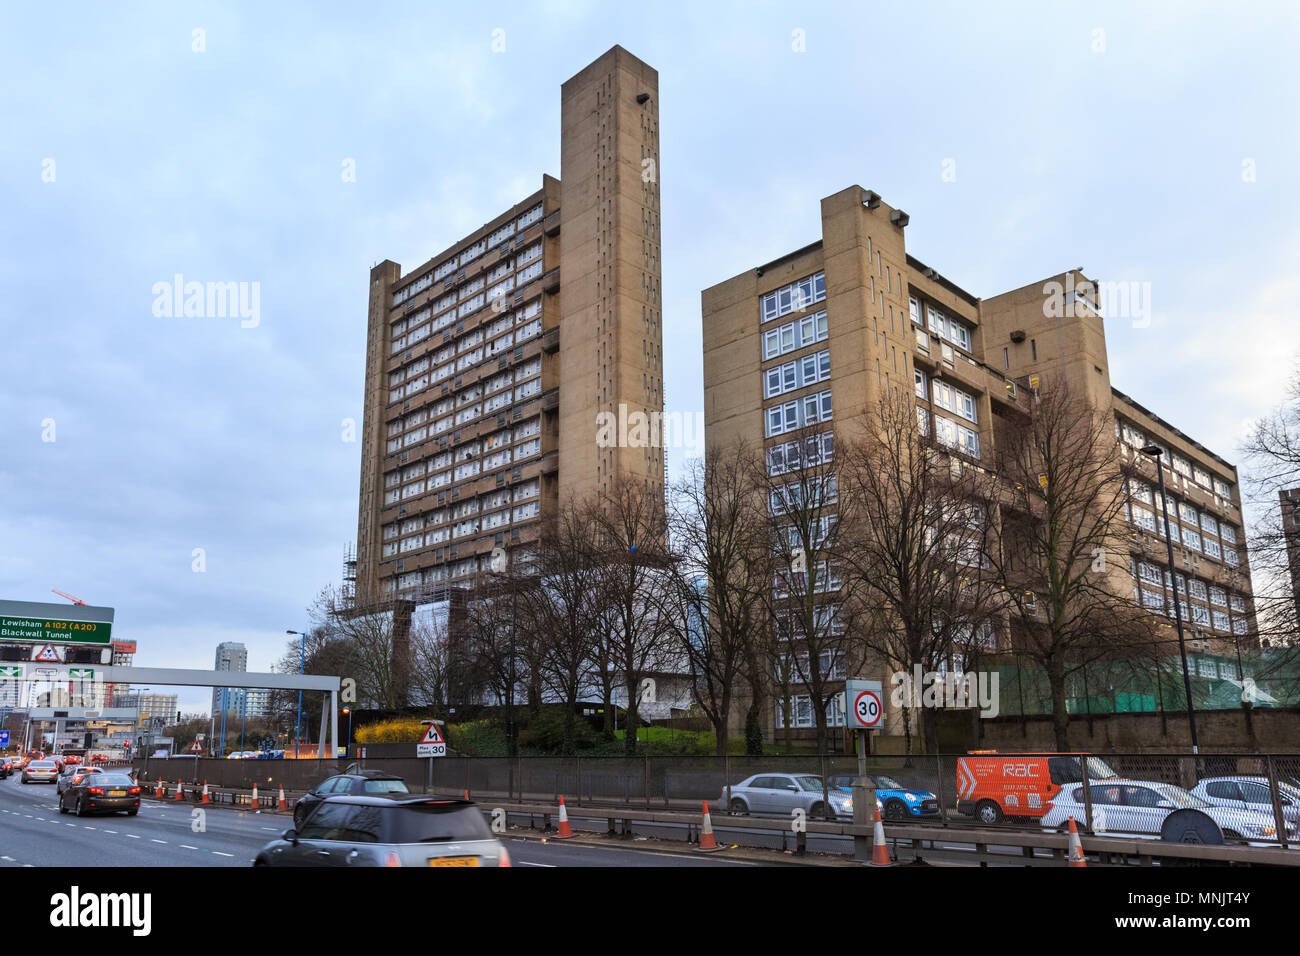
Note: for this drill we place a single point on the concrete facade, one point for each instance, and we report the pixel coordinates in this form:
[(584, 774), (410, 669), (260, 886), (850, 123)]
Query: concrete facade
[(487, 365)]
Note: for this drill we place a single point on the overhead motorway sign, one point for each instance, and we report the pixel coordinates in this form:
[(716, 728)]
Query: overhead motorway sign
[(35, 622), (11, 671), (81, 673), (866, 703)]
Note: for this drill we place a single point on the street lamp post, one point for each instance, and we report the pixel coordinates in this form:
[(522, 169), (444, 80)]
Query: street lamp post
[(302, 663), (1156, 452)]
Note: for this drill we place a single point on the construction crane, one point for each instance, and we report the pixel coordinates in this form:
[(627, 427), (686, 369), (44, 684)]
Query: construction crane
[(74, 600)]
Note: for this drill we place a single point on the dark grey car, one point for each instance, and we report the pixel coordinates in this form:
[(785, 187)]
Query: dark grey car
[(402, 830)]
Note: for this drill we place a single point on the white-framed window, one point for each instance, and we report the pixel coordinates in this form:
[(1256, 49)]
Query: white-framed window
[(1197, 590), (919, 380), (528, 218), (1199, 615), (800, 373), (525, 511), (950, 433), (794, 297), (794, 455), (528, 273), (1182, 466), (501, 235), (1202, 477), (1221, 621), (953, 400), (1228, 533), (473, 252), (1218, 596), (1192, 538), (1222, 488), (1211, 547), (914, 310), (946, 327), (1232, 557)]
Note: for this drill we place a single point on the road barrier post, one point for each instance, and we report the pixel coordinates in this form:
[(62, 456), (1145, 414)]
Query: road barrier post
[(1087, 793), (1279, 819), (938, 788)]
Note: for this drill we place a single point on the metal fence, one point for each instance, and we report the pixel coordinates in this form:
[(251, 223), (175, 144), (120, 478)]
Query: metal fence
[(1251, 798)]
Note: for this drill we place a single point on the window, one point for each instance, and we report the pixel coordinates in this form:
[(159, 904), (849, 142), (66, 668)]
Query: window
[(948, 328), (794, 297), (794, 335), (793, 415), (1228, 533), (1197, 589), (1192, 539), (528, 218), (798, 374), (794, 455), (1218, 596), (919, 380), (1221, 621), (914, 308), (948, 432), (953, 399), (1211, 547), (1237, 603)]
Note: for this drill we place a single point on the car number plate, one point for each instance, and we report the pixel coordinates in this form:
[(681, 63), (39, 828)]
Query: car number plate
[(117, 793), (454, 861)]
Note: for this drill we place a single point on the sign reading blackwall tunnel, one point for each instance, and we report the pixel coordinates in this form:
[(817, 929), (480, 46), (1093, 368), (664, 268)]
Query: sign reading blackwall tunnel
[(37, 622)]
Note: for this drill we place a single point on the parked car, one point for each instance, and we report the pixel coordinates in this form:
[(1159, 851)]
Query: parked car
[(1250, 793), (899, 802), (71, 775), (111, 792), (779, 793), (361, 783), (401, 830), (41, 771), (1151, 809)]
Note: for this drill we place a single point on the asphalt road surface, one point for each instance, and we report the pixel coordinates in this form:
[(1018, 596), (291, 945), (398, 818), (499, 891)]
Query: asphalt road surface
[(34, 833)]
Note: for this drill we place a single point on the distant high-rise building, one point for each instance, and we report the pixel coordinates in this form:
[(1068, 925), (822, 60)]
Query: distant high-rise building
[(231, 656)]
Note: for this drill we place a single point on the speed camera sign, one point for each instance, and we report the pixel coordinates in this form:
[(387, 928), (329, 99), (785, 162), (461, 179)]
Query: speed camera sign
[(866, 706)]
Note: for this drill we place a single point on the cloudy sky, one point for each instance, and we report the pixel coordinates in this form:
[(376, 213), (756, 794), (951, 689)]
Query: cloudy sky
[(1156, 145)]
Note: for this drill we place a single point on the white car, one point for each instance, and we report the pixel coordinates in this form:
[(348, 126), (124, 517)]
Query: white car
[(1153, 810), (1250, 793)]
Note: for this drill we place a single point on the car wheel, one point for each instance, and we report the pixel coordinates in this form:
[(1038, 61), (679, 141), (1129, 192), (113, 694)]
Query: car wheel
[(895, 810), (739, 808), (1191, 826), (988, 812), (817, 810), (81, 807), (131, 813), (63, 805)]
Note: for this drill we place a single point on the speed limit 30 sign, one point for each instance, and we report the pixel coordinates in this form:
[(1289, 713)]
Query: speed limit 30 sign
[(866, 703)]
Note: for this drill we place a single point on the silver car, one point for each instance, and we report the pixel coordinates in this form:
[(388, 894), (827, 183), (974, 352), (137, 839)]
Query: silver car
[(1250, 793), (70, 771), (401, 830), (41, 771), (779, 793)]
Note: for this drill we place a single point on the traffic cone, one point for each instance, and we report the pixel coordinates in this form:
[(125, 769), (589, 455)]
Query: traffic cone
[(161, 790), (1075, 853), (879, 848), (180, 790), (253, 801), (707, 842), (466, 794), (564, 832), (282, 803), (206, 798)]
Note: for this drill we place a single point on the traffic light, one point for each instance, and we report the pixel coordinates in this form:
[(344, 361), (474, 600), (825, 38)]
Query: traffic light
[(178, 716)]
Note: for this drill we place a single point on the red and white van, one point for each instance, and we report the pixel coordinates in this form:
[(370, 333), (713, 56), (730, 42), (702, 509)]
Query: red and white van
[(992, 785)]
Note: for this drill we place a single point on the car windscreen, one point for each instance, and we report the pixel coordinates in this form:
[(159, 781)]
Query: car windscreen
[(434, 823), (1098, 769), (110, 780), (810, 782), (1181, 798), (888, 783), (384, 786)]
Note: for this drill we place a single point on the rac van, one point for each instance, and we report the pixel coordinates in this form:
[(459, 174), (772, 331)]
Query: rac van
[(992, 785)]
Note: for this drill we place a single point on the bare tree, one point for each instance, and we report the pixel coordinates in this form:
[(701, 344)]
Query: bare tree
[(1063, 539), (491, 645), (377, 639), (716, 593), (561, 607), (805, 596), (1273, 450), (631, 540), (915, 547)]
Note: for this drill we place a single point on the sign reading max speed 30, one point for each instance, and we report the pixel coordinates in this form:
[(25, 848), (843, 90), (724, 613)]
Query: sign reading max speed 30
[(36, 622)]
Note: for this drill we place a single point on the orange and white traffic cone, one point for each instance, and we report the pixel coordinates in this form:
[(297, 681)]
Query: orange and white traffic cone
[(1075, 853), (282, 803), (253, 800), (180, 790), (564, 832), (707, 842), (206, 798), (466, 794), (161, 790), (879, 848)]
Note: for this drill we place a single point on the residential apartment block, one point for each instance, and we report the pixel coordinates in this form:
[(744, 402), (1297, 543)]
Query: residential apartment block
[(811, 342), (487, 365)]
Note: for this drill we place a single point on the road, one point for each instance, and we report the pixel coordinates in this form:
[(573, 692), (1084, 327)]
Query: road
[(34, 833)]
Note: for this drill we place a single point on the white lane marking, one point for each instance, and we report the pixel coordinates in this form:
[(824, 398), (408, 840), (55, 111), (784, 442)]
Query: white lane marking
[(219, 853), (157, 841), (9, 858), (133, 836), (110, 831), (69, 824), (84, 827), (526, 863), (186, 846)]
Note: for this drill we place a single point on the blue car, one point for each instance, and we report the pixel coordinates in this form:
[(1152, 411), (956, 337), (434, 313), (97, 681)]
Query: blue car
[(899, 802)]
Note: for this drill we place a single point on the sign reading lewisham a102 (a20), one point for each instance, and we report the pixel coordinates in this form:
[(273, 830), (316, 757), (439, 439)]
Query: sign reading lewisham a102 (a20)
[(37, 622)]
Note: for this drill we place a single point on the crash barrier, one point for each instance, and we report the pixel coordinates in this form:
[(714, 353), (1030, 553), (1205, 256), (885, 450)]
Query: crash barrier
[(911, 843), (1254, 797)]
